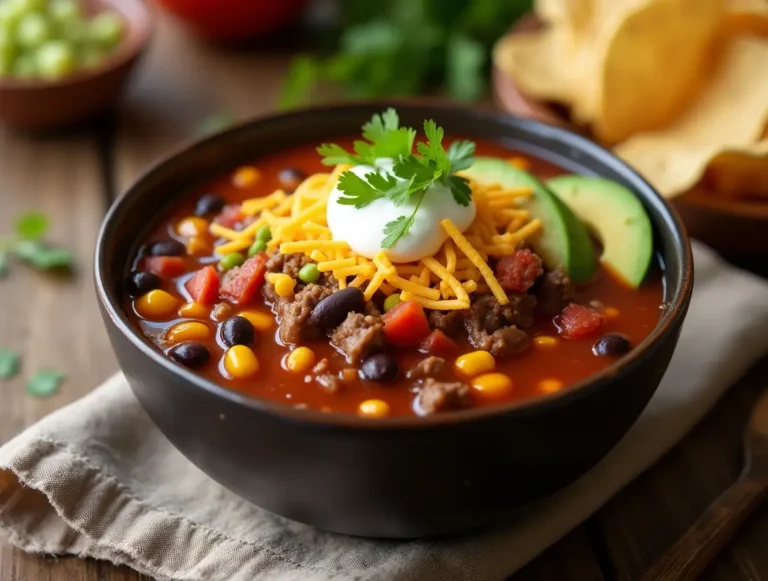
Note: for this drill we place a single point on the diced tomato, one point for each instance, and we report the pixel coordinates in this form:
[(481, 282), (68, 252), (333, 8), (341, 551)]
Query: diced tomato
[(204, 286), (518, 271), (230, 215), (406, 325), (579, 322), (438, 343), (166, 266), (241, 283)]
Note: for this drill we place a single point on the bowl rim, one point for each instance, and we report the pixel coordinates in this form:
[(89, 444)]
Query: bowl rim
[(130, 48), (674, 309)]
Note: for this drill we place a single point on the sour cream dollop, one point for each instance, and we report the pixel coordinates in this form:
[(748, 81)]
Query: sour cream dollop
[(363, 229)]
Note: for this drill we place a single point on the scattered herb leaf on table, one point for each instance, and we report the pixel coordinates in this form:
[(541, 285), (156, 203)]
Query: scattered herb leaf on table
[(45, 383), (9, 363)]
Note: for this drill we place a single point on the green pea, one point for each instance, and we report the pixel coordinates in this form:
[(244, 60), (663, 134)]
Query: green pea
[(391, 302), (55, 59), (264, 233), (230, 261), (309, 273), (256, 247)]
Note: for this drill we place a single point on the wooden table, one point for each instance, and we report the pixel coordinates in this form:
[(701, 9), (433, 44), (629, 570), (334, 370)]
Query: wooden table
[(75, 177)]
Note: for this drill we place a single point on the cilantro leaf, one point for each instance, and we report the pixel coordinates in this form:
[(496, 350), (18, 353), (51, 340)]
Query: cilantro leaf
[(396, 190), (379, 125), (9, 363), (335, 154), (433, 151), (460, 155), (412, 166), (459, 187), (3, 264), (357, 191), (396, 229), (31, 226), (44, 257), (399, 228), (388, 139), (45, 383)]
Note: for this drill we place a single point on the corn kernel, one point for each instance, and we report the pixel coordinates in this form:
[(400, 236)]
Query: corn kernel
[(611, 313), (349, 374), (550, 385), (545, 341), (246, 176), (492, 385), (194, 311), (240, 362), (475, 363), (187, 331), (519, 162), (300, 359), (284, 284), (373, 408), (192, 226), (156, 305), (198, 246), (261, 321)]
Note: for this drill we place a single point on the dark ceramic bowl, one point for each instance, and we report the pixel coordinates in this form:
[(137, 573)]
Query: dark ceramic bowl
[(40, 104), (397, 477)]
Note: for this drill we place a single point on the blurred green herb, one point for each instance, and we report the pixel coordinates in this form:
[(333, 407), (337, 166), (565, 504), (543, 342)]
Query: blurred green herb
[(9, 363), (27, 244), (45, 383), (406, 47)]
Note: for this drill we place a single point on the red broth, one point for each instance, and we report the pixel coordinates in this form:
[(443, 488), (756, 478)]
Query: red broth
[(631, 312)]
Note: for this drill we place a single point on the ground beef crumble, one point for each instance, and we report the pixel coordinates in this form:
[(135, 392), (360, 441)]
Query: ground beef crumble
[(429, 367), (358, 335), (554, 291), (294, 315), (437, 396)]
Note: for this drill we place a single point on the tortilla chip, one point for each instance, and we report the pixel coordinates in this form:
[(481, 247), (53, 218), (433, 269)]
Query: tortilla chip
[(540, 68), (652, 65), (730, 115)]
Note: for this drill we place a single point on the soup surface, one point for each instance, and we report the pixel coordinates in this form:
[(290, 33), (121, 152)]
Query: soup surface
[(223, 316)]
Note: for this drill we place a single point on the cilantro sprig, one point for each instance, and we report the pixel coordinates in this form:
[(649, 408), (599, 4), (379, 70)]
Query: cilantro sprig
[(27, 245), (411, 174)]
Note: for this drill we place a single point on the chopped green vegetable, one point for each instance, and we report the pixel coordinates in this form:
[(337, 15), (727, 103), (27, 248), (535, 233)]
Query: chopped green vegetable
[(264, 233), (391, 302), (43, 257), (33, 30), (45, 383), (9, 363), (32, 225), (230, 261), (413, 174), (256, 247), (3, 264), (56, 58)]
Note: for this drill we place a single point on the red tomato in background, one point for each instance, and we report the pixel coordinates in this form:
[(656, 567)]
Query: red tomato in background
[(232, 20)]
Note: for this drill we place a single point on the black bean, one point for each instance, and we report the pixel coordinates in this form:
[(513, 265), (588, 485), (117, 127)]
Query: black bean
[(237, 330), (332, 310), (380, 367), (209, 204), (611, 345), (190, 354), (291, 177), (167, 248), (140, 283)]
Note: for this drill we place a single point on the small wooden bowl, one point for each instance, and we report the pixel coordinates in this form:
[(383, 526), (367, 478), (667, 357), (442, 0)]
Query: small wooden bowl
[(734, 228), (38, 104)]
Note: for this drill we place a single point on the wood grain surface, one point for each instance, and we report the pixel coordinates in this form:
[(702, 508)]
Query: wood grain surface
[(73, 178)]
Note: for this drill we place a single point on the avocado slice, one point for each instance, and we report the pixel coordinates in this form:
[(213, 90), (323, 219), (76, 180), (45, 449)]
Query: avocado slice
[(564, 241), (618, 219)]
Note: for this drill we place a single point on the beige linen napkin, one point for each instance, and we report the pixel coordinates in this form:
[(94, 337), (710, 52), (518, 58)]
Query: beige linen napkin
[(97, 479)]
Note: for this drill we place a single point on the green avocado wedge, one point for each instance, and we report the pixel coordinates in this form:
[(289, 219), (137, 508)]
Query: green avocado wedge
[(617, 218), (564, 241)]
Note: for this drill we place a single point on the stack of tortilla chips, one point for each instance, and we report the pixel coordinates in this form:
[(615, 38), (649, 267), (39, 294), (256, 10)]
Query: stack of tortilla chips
[(679, 88)]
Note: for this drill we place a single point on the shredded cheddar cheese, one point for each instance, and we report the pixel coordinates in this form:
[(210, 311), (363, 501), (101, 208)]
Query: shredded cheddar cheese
[(444, 281)]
